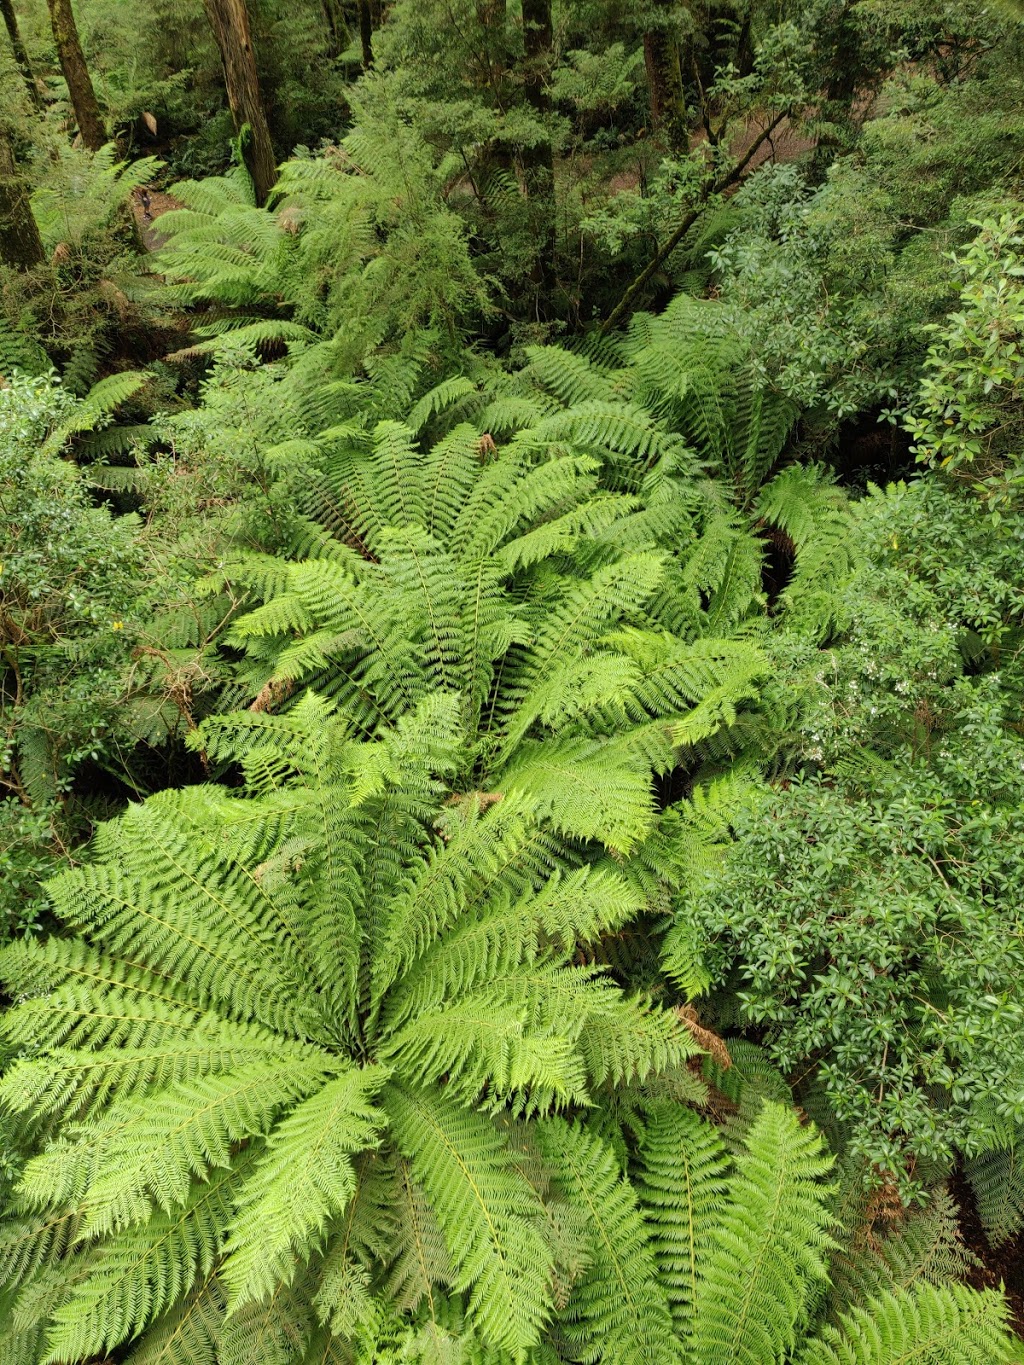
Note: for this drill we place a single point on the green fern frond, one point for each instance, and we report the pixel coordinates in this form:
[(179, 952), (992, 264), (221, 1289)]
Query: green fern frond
[(572, 378), (151, 1147), (952, 1324), (98, 403), (682, 1190), (926, 1245), (997, 1179), (485, 1210), (617, 1310), (189, 1333), (304, 1178), (136, 1275), (768, 1251), (450, 393)]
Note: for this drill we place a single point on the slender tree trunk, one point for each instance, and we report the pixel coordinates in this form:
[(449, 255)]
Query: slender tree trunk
[(330, 14), (76, 74), (366, 33), (492, 53), (538, 160), (20, 245), (229, 20), (21, 53), (537, 40), (665, 81)]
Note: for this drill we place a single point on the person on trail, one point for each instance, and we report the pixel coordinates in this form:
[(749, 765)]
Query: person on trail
[(144, 201)]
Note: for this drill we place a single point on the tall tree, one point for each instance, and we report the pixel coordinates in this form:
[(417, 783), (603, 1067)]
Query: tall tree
[(337, 29), (229, 20), (366, 33), (20, 52), (76, 74), (538, 159), (664, 73), (20, 244)]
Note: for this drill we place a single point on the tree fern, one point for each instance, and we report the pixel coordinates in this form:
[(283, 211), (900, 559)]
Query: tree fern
[(206, 1109)]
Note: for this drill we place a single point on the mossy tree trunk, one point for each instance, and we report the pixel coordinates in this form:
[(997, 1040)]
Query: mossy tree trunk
[(663, 64), (21, 53), (20, 244), (334, 23), (229, 20), (76, 74)]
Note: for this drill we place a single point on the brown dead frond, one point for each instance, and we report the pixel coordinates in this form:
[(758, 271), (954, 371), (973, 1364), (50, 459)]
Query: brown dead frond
[(707, 1040), (271, 694)]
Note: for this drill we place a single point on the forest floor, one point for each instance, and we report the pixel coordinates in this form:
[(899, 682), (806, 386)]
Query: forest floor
[(787, 143)]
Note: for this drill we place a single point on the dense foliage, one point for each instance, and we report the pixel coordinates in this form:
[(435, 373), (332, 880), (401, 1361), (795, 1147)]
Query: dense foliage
[(511, 619)]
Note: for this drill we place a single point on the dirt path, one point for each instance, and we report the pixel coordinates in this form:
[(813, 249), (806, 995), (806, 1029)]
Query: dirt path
[(159, 203)]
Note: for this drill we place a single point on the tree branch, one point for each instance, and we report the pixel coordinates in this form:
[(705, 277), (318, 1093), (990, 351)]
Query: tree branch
[(723, 182)]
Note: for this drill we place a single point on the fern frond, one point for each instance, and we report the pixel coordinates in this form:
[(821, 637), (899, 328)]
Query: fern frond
[(189, 1333), (98, 403), (617, 1310), (952, 1324), (925, 1245), (682, 1191), (134, 1276), (304, 1178), (484, 1208), (151, 1148), (997, 1179), (768, 1251)]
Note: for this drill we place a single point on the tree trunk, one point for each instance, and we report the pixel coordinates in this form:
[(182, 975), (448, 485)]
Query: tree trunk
[(334, 26), (366, 33), (537, 40), (21, 53), (20, 245), (76, 74), (229, 20), (538, 160), (665, 81)]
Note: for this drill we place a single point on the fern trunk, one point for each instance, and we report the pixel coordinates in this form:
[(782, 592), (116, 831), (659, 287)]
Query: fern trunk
[(21, 53), (229, 20), (76, 74), (20, 244)]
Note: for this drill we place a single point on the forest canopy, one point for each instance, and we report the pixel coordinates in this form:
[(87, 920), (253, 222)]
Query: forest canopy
[(511, 682)]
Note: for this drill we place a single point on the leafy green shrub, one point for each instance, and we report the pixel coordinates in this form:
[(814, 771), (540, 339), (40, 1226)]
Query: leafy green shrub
[(880, 947), (970, 405), (867, 915), (68, 614)]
